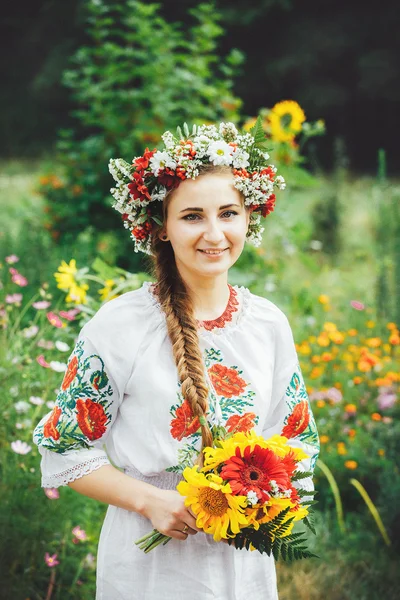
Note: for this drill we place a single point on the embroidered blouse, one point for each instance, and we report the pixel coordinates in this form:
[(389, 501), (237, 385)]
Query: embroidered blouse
[(120, 400)]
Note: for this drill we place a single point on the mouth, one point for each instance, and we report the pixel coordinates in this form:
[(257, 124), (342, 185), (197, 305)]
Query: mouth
[(213, 252)]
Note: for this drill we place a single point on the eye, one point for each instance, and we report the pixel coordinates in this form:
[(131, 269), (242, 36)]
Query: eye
[(188, 217), (228, 213)]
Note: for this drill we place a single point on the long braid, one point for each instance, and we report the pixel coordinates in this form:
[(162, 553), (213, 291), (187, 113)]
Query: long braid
[(182, 330)]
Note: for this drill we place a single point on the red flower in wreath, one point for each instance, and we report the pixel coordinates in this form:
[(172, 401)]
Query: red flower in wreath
[(185, 423), (91, 418), (226, 381), (253, 472), (71, 371), (49, 429), (297, 421), (241, 422), (137, 187), (143, 161)]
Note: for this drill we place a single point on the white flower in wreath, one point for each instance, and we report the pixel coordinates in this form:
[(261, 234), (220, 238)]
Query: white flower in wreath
[(220, 153), (240, 159), (161, 160)]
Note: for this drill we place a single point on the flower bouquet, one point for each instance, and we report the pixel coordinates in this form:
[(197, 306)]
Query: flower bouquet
[(244, 494)]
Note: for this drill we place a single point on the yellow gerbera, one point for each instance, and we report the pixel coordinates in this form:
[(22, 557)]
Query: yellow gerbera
[(213, 503), (286, 120), (65, 275)]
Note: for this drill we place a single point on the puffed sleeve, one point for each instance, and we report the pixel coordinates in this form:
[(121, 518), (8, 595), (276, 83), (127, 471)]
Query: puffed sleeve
[(290, 411), (71, 437)]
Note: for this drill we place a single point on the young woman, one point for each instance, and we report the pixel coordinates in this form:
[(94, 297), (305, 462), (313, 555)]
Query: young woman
[(152, 362)]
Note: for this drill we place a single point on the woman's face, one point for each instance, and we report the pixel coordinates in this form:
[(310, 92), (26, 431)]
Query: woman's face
[(206, 225)]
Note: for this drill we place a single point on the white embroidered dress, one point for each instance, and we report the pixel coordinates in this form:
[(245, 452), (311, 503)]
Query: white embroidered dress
[(120, 400)]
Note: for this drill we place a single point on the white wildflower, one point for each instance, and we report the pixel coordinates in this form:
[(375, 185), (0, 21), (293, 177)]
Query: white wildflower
[(36, 400), (62, 346), (20, 447), (59, 367), (168, 139), (22, 406), (30, 332)]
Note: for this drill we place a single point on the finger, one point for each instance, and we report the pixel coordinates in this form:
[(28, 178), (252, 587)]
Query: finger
[(178, 534), (191, 521), (187, 529)]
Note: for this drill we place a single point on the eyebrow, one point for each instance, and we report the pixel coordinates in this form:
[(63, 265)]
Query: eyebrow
[(198, 209)]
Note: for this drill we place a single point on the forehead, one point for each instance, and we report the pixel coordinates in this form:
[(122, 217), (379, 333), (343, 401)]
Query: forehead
[(205, 191)]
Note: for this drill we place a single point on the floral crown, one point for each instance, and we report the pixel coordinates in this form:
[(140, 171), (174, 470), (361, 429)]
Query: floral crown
[(142, 186)]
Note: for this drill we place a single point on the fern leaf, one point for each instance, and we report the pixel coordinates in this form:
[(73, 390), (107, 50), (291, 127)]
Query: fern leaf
[(301, 475), (302, 492), (310, 524), (257, 132)]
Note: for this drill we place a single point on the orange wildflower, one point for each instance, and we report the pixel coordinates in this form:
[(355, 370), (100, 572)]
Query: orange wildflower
[(351, 464), (376, 416), (351, 409), (324, 439)]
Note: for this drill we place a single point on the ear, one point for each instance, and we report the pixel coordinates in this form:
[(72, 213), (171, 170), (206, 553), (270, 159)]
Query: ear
[(163, 236)]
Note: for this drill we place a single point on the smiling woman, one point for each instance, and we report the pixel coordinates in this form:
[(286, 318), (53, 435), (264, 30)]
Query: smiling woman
[(158, 372)]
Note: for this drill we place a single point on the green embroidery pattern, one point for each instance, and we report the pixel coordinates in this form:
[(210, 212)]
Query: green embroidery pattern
[(300, 422)]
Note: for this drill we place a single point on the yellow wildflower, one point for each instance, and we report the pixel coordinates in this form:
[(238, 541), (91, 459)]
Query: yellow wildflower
[(106, 290), (330, 326), (370, 324), (381, 452), (323, 299), (321, 403), (324, 439), (65, 275)]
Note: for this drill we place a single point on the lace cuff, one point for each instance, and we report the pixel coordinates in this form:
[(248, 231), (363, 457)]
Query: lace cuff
[(59, 470)]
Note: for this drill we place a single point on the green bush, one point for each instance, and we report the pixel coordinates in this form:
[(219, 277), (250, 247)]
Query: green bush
[(137, 76)]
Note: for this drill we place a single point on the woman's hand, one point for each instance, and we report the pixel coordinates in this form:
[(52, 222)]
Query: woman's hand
[(169, 515)]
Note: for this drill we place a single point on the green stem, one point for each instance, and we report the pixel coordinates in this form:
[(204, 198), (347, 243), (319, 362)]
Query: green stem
[(336, 494), (21, 315)]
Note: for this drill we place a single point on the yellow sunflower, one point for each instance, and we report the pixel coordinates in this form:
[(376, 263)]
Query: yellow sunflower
[(217, 510), (286, 120)]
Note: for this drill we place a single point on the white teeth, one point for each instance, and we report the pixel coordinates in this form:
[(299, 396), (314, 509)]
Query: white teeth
[(212, 251)]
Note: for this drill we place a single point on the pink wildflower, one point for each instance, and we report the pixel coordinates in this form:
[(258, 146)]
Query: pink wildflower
[(41, 304), (13, 298), (80, 534), (54, 319), (357, 305), (52, 493), (69, 314), (42, 361), (12, 259), (51, 561)]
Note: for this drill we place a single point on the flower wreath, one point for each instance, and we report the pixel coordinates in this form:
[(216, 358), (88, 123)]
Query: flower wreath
[(142, 186)]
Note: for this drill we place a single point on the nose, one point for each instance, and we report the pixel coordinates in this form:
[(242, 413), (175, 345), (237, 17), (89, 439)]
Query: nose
[(213, 232)]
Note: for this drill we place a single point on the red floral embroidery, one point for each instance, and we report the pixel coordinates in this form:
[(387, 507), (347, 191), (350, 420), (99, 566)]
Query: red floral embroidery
[(69, 376), (297, 421), (184, 423), (226, 316), (226, 381), (49, 428), (241, 422), (91, 418)]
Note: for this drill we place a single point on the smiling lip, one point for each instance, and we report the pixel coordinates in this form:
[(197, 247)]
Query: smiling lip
[(213, 252)]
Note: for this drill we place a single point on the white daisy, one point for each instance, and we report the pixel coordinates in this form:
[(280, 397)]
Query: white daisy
[(161, 160), (220, 153)]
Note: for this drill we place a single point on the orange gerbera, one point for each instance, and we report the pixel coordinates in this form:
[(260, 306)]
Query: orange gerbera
[(253, 472), (185, 423), (297, 421), (70, 373)]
